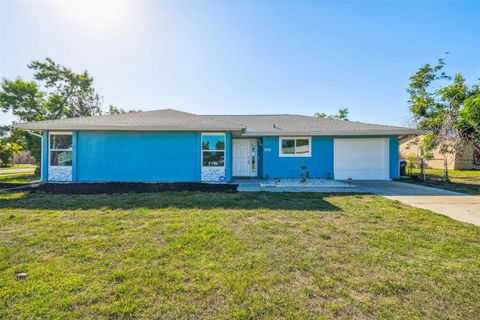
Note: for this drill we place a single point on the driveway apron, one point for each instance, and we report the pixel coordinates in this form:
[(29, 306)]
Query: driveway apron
[(455, 205)]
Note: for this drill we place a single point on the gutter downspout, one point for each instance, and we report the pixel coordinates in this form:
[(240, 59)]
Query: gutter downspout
[(41, 153)]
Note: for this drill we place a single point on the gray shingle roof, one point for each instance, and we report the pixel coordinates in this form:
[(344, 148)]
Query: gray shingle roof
[(287, 124), (164, 120), (249, 125)]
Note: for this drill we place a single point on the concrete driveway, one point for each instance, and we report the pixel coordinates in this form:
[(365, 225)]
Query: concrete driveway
[(455, 205)]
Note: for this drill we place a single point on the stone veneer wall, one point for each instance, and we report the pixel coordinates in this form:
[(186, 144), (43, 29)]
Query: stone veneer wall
[(213, 174), (60, 174)]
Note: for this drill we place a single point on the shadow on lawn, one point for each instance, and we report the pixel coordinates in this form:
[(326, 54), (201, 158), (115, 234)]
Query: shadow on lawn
[(182, 200), (468, 188)]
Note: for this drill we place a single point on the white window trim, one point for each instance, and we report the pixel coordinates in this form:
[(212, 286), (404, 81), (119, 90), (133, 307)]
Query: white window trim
[(294, 155), (224, 148), (49, 149)]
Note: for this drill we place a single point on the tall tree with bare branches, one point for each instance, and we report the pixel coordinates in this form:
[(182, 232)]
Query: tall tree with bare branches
[(446, 107)]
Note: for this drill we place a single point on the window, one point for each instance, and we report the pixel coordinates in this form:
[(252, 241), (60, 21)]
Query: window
[(60, 149), (295, 147), (213, 150)]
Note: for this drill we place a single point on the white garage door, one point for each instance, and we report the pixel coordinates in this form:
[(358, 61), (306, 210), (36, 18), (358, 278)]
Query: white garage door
[(359, 159)]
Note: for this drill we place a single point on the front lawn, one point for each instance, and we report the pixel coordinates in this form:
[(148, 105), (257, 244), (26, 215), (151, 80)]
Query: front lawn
[(466, 181), (246, 255)]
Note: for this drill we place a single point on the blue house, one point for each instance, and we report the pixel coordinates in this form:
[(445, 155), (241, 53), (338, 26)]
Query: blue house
[(172, 146)]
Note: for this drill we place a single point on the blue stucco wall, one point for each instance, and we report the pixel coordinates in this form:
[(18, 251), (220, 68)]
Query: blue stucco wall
[(228, 156), (137, 156), (394, 158), (260, 158), (44, 150), (320, 164), (175, 156), (74, 155)]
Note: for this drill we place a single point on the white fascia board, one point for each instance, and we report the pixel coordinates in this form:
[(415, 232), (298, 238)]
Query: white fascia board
[(32, 126), (334, 133)]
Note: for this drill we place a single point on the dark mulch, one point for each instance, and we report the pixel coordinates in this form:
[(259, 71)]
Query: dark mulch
[(121, 187)]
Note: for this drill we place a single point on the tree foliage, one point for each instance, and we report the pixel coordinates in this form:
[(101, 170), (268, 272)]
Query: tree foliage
[(10, 144), (55, 93), (117, 110), (341, 115), (446, 107)]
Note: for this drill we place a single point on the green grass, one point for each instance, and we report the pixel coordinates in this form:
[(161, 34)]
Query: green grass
[(233, 256), (10, 175), (466, 181)]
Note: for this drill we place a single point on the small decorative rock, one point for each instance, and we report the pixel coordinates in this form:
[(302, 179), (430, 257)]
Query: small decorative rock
[(21, 275), (310, 183), (212, 173)]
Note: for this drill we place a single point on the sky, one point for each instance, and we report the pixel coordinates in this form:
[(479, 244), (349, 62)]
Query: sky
[(246, 57)]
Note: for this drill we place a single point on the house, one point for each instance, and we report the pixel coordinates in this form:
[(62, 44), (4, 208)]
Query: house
[(169, 145), (24, 157), (467, 159)]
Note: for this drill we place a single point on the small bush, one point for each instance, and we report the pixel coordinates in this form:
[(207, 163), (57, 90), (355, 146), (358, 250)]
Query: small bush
[(305, 174)]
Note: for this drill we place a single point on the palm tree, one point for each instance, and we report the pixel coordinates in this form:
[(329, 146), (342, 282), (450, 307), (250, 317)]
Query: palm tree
[(7, 151)]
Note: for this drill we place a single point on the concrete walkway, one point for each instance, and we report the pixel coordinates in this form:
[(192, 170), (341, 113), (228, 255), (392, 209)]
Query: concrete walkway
[(452, 204), (253, 185)]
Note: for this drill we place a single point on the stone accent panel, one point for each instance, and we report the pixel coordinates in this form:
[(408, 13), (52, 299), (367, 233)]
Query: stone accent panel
[(60, 174), (213, 174)]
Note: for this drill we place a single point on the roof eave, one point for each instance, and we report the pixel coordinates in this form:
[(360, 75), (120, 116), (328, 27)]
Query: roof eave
[(33, 126), (334, 133)]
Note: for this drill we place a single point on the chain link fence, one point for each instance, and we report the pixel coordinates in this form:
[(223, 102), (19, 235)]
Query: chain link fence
[(432, 169)]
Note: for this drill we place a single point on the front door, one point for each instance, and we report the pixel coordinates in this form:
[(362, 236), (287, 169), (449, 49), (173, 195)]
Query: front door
[(244, 157)]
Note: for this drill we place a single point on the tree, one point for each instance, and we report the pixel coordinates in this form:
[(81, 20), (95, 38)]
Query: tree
[(446, 107), (342, 115), (57, 92), (320, 114), (117, 110), (7, 151), (10, 144)]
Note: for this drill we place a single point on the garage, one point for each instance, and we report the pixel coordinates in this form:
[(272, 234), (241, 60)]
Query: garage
[(361, 159)]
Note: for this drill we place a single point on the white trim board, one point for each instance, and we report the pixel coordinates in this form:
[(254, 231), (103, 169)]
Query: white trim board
[(213, 173), (244, 171), (65, 133), (294, 155)]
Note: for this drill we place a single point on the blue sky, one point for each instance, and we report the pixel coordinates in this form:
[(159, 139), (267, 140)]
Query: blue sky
[(246, 57)]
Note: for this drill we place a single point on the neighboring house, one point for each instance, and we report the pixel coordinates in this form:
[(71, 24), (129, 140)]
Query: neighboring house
[(169, 145), (469, 158), (23, 158)]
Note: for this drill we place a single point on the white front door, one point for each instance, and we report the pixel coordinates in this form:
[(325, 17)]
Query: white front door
[(244, 157), (361, 159)]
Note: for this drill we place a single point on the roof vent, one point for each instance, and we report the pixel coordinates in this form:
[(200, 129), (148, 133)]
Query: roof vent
[(275, 126)]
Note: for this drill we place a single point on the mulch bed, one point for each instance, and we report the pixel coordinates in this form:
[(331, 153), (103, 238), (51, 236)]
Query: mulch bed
[(120, 187)]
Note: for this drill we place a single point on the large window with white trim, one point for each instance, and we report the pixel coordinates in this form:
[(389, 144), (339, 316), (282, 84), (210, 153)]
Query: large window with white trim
[(295, 147), (60, 152), (213, 149)]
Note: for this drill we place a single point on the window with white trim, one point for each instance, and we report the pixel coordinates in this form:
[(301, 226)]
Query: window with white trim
[(213, 149), (295, 147), (60, 153)]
